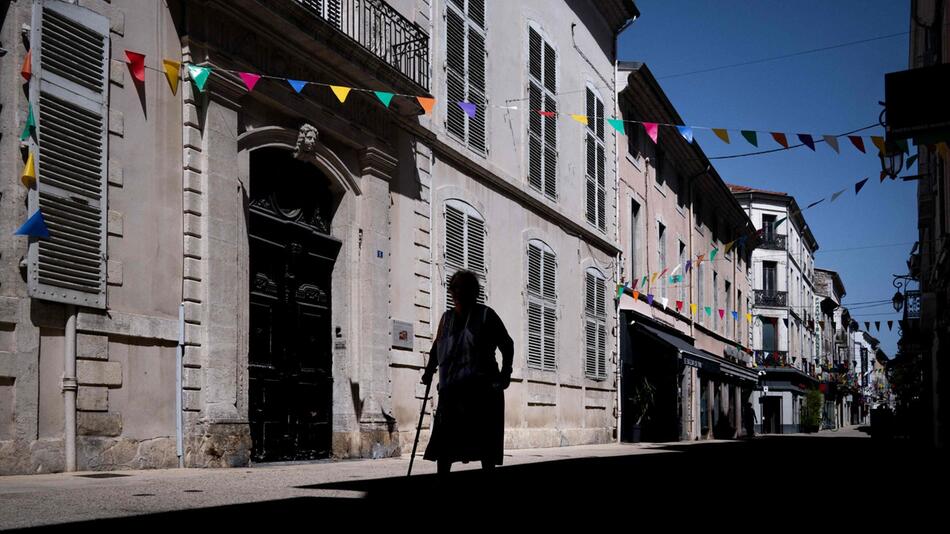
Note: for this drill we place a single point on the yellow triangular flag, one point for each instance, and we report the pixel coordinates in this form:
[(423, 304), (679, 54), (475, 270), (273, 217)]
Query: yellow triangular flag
[(722, 134), (580, 118), (340, 92), (748, 317), (692, 308), (172, 68), (29, 173), (879, 143), (653, 279)]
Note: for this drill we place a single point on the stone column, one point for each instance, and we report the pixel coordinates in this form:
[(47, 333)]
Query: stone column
[(710, 406)]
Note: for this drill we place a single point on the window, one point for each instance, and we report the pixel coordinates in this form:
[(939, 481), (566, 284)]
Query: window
[(465, 70), (542, 306), (634, 238), (715, 309), (70, 76), (542, 128), (661, 250), (729, 308), (768, 228), (698, 211), (634, 138), (769, 278), (659, 165), (769, 337), (681, 259), (464, 245), (595, 325), (700, 285), (741, 320), (596, 162)]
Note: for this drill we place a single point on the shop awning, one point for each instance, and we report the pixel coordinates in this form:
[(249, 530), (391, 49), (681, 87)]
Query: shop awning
[(689, 354), (736, 370)]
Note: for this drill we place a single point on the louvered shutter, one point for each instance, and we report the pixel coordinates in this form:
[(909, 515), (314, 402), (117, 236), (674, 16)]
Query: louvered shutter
[(465, 71), (464, 247), (542, 131), (476, 87), (601, 188), (542, 308), (591, 179), (590, 344), (601, 351), (550, 337), (535, 359), (595, 326), (596, 163), (535, 157), (69, 95), (455, 71)]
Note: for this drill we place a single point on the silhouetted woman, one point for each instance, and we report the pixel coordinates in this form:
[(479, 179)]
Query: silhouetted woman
[(470, 419)]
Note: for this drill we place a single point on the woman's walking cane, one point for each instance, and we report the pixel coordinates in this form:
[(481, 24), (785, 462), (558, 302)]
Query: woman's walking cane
[(422, 414)]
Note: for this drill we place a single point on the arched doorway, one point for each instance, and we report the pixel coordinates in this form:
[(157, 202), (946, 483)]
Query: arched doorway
[(292, 254)]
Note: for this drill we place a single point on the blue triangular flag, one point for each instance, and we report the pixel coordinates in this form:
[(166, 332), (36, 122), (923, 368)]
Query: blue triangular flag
[(686, 132), (298, 85), (35, 226), (735, 315), (468, 108), (650, 300), (384, 97)]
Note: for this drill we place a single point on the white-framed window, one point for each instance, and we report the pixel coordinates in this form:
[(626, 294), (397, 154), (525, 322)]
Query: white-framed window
[(681, 261), (542, 306), (661, 256), (596, 161), (69, 96), (595, 325), (465, 239), (701, 294), (542, 128), (465, 60)]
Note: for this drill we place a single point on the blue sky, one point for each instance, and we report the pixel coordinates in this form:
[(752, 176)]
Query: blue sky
[(828, 92)]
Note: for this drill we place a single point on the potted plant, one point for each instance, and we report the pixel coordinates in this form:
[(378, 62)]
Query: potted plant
[(641, 400), (811, 411)]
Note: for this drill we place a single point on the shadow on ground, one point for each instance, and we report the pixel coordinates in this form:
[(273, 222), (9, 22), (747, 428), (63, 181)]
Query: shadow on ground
[(792, 480)]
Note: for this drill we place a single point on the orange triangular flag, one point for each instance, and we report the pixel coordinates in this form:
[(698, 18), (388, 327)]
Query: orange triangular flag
[(780, 138), (27, 70), (879, 143), (722, 134), (340, 92), (426, 103), (636, 295)]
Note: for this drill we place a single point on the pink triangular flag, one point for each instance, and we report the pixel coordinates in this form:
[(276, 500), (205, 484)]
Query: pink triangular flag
[(250, 79), (651, 128)]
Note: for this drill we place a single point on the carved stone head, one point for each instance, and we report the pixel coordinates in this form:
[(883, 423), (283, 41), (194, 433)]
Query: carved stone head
[(306, 141)]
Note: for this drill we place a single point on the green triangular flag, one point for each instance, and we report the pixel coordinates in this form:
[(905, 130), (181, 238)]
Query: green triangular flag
[(384, 97), (618, 125), (778, 222), (911, 160), (708, 310), (199, 75), (902, 143), (751, 137), (712, 255), (29, 127)]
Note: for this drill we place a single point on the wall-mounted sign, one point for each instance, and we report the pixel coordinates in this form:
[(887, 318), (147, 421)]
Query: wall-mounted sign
[(402, 335)]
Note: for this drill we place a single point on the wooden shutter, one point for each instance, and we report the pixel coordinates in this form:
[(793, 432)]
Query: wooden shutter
[(542, 131), (69, 95), (595, 328), (542, 307), (465, 70), (464, 246)]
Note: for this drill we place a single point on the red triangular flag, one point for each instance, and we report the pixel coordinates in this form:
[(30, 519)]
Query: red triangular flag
[(679, 305), (27, 70), (546, 113), (858, 142), (136, 65), (250, 79), (780, 138)]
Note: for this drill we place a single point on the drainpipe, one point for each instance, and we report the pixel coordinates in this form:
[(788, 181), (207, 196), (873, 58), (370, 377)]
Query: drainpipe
[(179, 356), (618, 261), (70, 386)]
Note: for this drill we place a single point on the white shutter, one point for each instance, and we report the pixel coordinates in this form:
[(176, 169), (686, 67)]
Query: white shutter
[(465, 70), (595, 325), (534, 270), (601, 351), (476, 88), (542, 131), (455, 71), (69, 95), (590, 344), (535, 359), (591, 293), (542, 306), (596, 162), (591, 177), (464, 246)]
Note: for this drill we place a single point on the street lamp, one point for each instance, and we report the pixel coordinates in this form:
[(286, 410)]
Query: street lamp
[(892, 162), (898, 301)]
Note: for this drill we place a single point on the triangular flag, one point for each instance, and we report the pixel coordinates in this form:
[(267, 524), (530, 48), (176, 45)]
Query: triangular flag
[(679, 305), (618, 125), (832, 142), (426, 103), (748, 317), (883, 175), (675, 269), (643, 282), (807, 140), (30, 127), (689, 263), (340, 92), (653, 278), (636, 295), (619, 290), (735, 315), (712, 254), (650, 299), (910, 161), (890, 325), (835, 196), (722, 133), (199, 75), (35, 226), (298, 85), (879, 143), (708, 311), (699, 258), (250, 79), (751, 137), (27, 70), (780, 139), (815, 203), (877, 324), (652, 129), (902, 144), (858, 142), (635, 281), (722, 313), (663, 272), (692, 308), (730, 245), (28, 176), (384, 97), (172, 71), (867, 326), (136, 65), (778, 223), (546, 113), (664, 301), (579, 118), (859, 185), (686, 132), (469, 109)]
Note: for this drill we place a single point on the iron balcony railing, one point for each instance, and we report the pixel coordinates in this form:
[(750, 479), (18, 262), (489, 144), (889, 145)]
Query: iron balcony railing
[(773, 242), (380, 29), (770, 298)]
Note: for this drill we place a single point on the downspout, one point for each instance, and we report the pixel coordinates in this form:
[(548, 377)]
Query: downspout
[(179, 356), (70, 386)]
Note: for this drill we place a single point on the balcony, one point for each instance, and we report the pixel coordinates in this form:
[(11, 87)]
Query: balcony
[(773, 242), (381, 30), (775, 299)]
